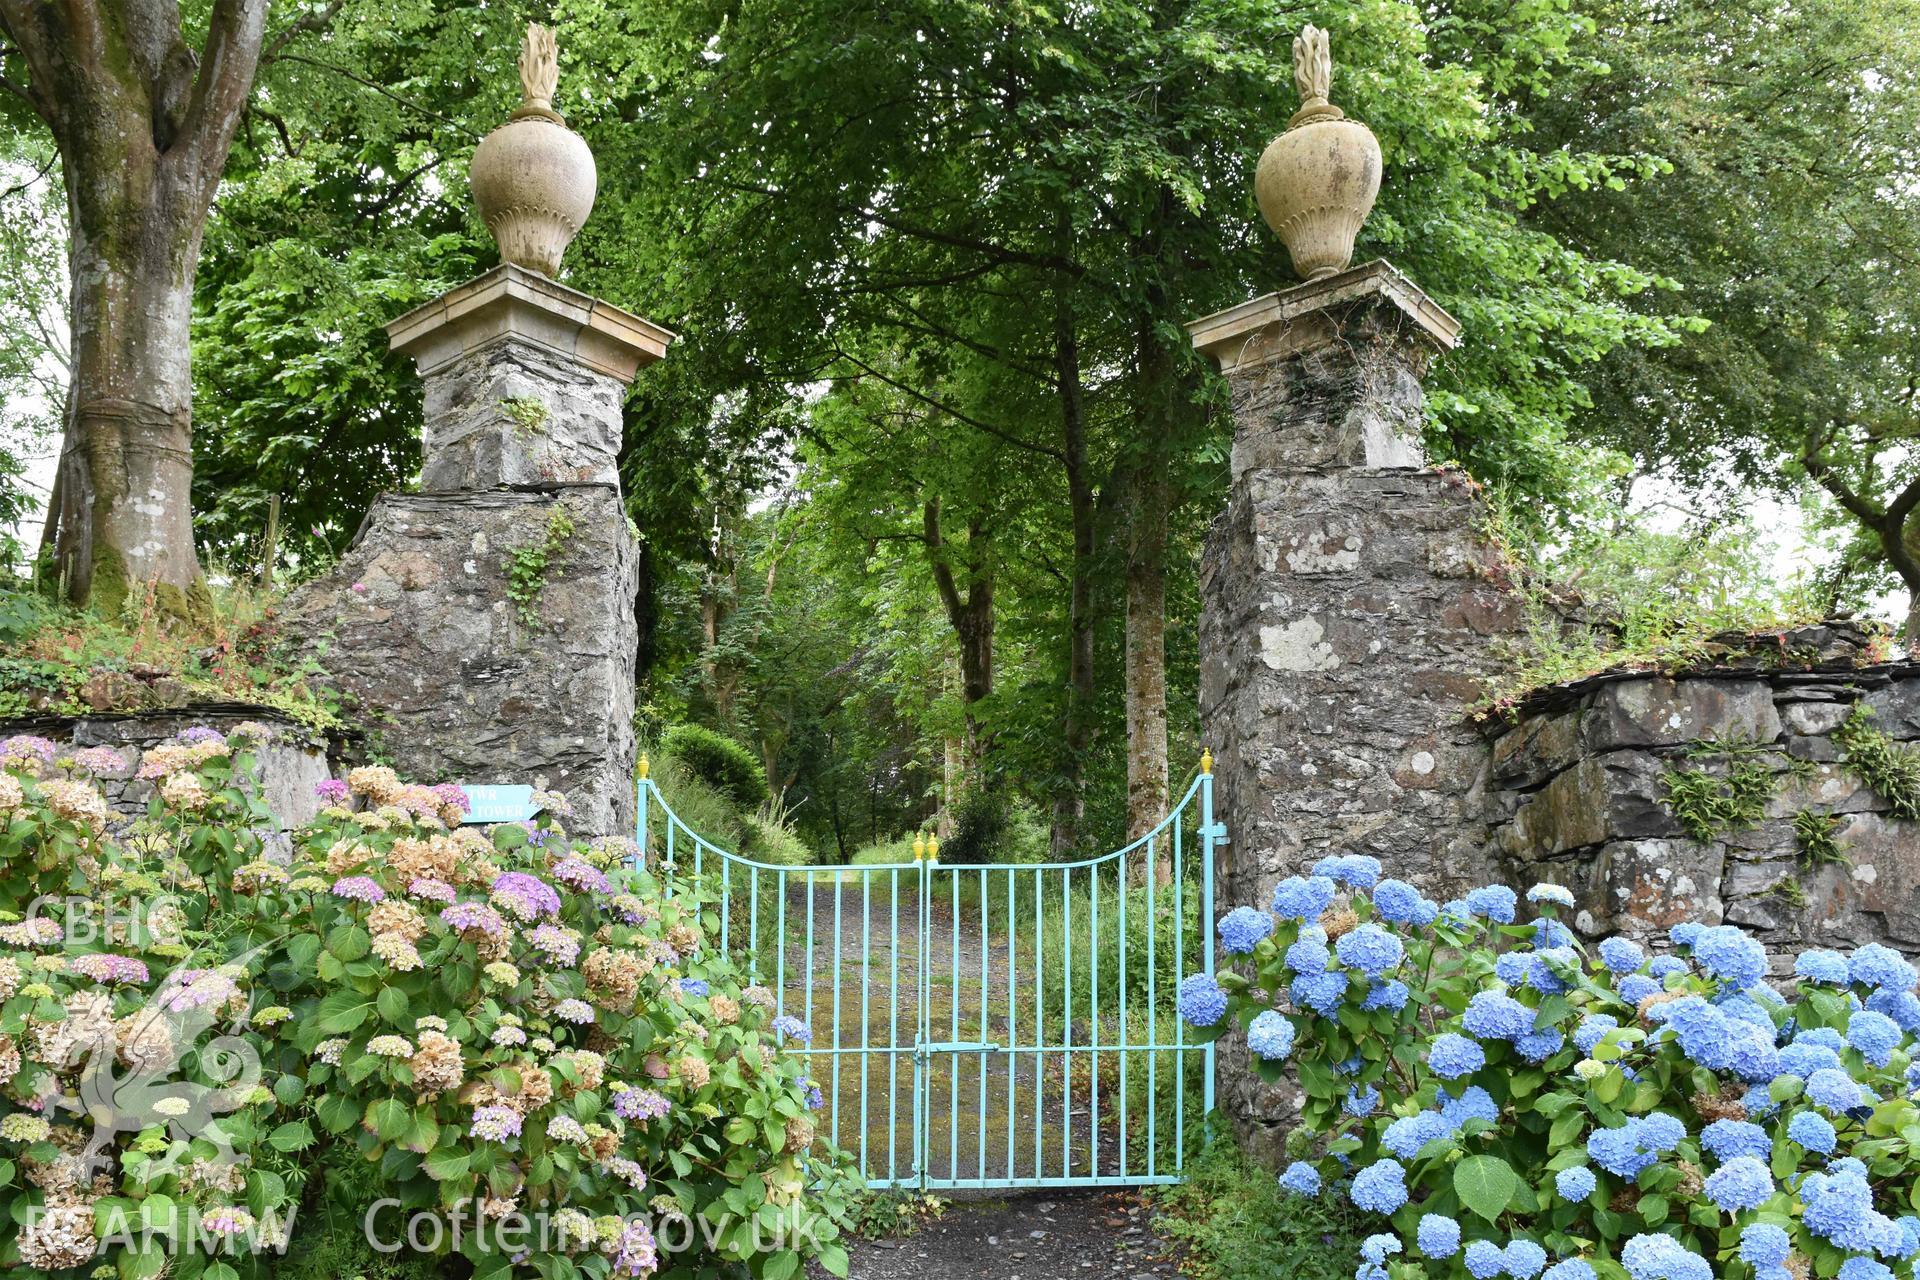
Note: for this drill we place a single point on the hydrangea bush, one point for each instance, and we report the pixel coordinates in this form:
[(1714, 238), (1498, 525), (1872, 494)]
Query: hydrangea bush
[(1498, 1099), (509, 1025)]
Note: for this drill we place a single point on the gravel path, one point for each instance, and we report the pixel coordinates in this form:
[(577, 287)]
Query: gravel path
[(1054, 1237)]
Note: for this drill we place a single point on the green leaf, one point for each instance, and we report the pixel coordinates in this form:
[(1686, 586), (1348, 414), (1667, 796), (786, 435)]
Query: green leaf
[(395, 1007), (1485, 1184), (292, 1136), (446, 1164), (342, 1011), (391, 1118)]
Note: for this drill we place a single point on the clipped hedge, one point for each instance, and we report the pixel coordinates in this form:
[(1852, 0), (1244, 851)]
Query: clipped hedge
[(719, 761)]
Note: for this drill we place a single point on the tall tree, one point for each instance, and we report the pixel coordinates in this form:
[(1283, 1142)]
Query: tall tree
[(1790, 223), (142, 120)]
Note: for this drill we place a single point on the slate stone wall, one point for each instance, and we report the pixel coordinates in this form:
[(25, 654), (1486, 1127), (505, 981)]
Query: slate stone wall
[(416, 623), (1582, 795), (289, 766)]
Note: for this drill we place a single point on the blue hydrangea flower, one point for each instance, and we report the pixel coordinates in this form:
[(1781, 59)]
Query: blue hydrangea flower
[(1406, 1135), (1361, 1104), (1495, 1015), (1378, 1247), (1828, 967), (1813, 1131), (1664, 967), (1658, 1131), (1822, 1036), (1242, 929), (1686, 933), (1636, 987), (1902, 1006), (1541, 1045), (1495, 902), (1838, 1207), (1621, 956), (1370, 949), (1511, 967), (1909, 1236), (1803, 1057), (1391, 995), (1593, 1029), (1726, 952), (1201, 1000), (1474, 1103), (1355, 870), (1876, 966), (1575, 1184), (1554, 894), (1524, 1259), (1437, 1237), (1729, 1139), (1485, 1260), (1309, 953), (1270, 1036), (1875, 1035), (1848, 1164), (1301, 1178), (1835, 1090), (1549, 934), (1381, 1187), (1453, 1055), (1858, 1268), (1759, 1103), (1661, 1257), (1570, 1269), (1618, 1151), (1425, 912), (1751, 1055), (1765, 1245), (1454, 913), (1303, 898), (1320, 992), (1396, 901)]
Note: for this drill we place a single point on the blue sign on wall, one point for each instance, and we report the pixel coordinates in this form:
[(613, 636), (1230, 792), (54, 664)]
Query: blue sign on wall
[(499, 804)]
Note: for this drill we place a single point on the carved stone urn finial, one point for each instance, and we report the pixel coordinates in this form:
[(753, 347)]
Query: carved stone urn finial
[(1317, 182), (533, 178)]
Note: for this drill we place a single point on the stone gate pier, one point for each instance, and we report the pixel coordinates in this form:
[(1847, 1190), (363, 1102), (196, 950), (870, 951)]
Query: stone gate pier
[(487, 620)]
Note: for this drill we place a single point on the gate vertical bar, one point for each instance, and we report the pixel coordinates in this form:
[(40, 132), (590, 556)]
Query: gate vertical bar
[(1208, 832)]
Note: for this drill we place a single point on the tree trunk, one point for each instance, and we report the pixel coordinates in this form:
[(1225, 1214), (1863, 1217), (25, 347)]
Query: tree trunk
[(143, 125), (1146, 660), (1076, 730), (970, 616), (125, 522)]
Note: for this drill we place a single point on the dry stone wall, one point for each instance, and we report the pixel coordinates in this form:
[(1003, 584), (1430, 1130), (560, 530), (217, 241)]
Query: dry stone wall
[(1733, 793), (289, 765)]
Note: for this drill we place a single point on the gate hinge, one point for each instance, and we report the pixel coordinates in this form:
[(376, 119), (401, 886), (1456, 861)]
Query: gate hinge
[(1219, 833)]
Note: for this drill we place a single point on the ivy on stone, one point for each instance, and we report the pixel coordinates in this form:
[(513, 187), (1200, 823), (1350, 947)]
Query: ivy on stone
[(526, 567)]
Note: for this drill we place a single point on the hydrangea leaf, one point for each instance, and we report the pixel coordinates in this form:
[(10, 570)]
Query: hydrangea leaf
[(1485, 1184)]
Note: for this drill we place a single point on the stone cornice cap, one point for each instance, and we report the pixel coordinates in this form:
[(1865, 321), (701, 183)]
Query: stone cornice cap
[(1280, 324), (511, 301)]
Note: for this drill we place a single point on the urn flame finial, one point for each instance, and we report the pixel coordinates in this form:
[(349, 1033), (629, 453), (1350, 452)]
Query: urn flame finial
[(533, 178), (1312, 65), (1317, 181), (539, 73)]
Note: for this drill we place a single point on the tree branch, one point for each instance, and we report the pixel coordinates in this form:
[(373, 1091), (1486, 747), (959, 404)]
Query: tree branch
[(998, 434), (225, 82)]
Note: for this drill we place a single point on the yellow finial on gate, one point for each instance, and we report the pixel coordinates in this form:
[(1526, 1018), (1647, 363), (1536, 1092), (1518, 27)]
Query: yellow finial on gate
[(1206, 760), (919, 845), (933, 849), (644, 766)]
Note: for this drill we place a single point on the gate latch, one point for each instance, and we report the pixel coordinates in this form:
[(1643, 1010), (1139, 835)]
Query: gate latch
[(955, 1046)]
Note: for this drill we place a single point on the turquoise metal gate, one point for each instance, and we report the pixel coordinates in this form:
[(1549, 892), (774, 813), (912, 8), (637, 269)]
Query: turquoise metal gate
[(985, 1026)]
